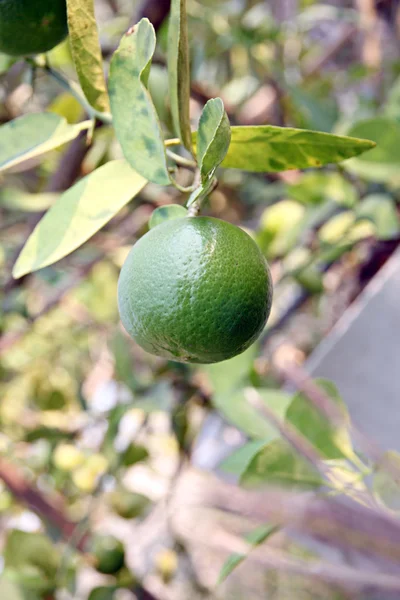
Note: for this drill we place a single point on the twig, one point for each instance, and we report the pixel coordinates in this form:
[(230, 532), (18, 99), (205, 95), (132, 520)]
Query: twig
[(181, 160), (289, 433), (339, 522), (75, 91), (340, 576), (297, 376), (30, 496)]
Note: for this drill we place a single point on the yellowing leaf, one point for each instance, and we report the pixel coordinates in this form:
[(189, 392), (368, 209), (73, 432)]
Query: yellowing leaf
[(86, 52), (78, 214), (33, 135), (267, 148)]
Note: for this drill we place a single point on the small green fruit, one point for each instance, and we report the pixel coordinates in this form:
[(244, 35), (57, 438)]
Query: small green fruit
[(195, 290)]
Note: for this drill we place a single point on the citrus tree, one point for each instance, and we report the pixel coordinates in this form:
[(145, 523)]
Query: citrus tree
[(192, 289)]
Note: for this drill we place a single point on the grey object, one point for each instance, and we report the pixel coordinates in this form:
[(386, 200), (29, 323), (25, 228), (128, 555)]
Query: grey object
[(362, 356)]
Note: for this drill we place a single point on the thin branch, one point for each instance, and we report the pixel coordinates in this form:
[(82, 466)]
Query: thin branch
[(298, 376), (340, 576), (28, 495)]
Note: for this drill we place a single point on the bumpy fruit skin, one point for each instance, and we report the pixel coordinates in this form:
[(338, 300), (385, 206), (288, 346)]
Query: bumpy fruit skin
[(30, 27), (195, 290)]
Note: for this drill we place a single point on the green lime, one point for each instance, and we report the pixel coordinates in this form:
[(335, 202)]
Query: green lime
[(31, 26), (195, 290), (109, 554)]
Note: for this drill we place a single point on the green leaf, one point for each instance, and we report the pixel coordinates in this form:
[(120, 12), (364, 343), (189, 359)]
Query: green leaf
[(6, 62), (318, 187), (179, 71), (267, 148), (278, 464), (386, 485), (26, 549), (10, 590), (78, 214), (103, 593), (16, 199), (381, 163), (213, 137), (235, 408), (33, 135), (255, 538), (135, 119), (237, 462), (134, 454), (166, 213), (331, 441), (229, 375), (381, 210), (317, 107), (86, 52)]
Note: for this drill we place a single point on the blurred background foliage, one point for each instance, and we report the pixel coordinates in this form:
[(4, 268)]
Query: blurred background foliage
[(95, 432)]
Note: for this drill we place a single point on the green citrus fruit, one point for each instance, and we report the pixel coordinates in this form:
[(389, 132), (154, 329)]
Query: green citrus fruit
[(195, 290), (31, 26), (109, 554)]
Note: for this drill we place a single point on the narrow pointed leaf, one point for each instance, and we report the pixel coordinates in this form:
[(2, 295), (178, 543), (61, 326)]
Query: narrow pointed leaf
[(134, 116), (78, 214), (33, 135), (267, 148), (278, 464), (331, 440), (179, 71), (86, 52), (213, 137), (255, 538)]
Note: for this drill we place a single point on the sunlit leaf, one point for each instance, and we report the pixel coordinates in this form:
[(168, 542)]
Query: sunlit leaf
[(330, 440), (10, 590), (86, 52), (33, 135), (237, 462), (135, 119), (17, 199), (78, 214), (179, 71), (278, 464), (266, 148), (255, 538), (213, 137)]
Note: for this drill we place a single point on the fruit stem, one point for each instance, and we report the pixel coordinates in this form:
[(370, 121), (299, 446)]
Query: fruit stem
[(75, 91)]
